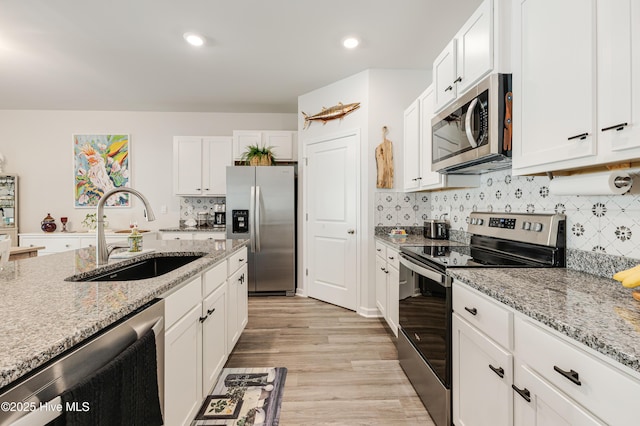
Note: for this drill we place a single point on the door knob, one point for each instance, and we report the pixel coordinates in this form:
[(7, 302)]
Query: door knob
[(351, 231)]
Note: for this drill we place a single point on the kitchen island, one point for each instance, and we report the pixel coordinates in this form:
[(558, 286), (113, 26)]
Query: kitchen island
[(42, 315)]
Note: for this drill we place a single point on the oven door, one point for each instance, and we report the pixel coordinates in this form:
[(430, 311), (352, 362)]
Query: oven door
[(425, 316)]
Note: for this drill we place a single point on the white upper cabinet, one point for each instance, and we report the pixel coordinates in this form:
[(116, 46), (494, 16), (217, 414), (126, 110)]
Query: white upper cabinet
[(199, 165), (618, 53), (418, 175), (579, 101), (412, 147), (480, 47), (474, 47), (444, 75), (283, 142), (553, 82)]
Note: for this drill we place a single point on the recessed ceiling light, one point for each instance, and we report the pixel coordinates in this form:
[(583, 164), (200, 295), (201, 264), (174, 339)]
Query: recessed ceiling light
[(194, 39), (351, 42)]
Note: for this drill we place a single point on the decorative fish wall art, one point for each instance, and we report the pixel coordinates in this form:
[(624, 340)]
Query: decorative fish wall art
[(327, 114)]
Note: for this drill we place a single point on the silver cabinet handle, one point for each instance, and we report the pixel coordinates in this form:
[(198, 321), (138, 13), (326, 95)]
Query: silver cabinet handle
[(351, 231)]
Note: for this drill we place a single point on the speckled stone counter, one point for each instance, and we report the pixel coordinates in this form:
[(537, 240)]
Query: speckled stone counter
[(597, 312), (181, 228), (414, 240), (42, 315)]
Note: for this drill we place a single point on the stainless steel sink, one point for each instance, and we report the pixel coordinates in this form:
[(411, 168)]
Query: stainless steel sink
[(140, 270)]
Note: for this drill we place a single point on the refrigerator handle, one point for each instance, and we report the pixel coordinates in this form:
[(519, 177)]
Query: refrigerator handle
[(257, 217), (252, 229)]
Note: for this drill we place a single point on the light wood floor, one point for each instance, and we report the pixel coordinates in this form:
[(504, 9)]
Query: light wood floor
[(342, 368)]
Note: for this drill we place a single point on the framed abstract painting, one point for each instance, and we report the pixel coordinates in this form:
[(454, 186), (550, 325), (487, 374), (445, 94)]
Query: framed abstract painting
[(101, 163)]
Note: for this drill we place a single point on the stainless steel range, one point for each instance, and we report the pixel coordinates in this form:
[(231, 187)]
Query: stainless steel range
[(499, 240)]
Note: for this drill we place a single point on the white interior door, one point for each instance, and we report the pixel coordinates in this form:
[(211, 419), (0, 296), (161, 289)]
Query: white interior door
[(332, 203)]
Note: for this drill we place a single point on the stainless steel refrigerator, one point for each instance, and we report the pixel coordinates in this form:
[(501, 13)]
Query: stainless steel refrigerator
[(261, 207)]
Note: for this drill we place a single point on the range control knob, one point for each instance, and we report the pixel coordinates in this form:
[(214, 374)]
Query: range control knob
[(480, 221), (537, 227), (526, 226), (474, 221)]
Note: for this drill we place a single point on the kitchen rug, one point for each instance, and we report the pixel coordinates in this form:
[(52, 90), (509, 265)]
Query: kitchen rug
[(244, 397)]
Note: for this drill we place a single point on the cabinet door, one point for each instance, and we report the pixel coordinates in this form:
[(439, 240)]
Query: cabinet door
[(243, 299), (214, 337), (183, 369), (474, 48), (444, 75), (545, 405), (393, 298), (187, 166), (618, 53), (482, 377), (381, 286), (553, 75), (412, 147), (238, 297), (429, 179), (242, 139), (283, 143), (216, 156)]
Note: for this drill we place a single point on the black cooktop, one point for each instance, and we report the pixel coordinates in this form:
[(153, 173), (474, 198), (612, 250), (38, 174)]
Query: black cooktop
[(443, 257)]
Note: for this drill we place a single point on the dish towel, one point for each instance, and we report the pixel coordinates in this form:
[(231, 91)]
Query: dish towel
[(123, 392)]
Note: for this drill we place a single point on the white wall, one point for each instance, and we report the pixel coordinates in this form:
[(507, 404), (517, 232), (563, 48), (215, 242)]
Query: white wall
[(37, 146), (383, 94)]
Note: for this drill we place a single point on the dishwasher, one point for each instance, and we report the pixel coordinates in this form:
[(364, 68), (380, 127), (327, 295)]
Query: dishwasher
[(48, 382)]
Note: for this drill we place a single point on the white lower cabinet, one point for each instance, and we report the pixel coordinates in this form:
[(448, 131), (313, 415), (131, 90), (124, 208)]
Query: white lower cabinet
[(214, 336), (183, 354), (482, 368), (540, 404), (171, 235), (482, 379), (59, 242), (388, 285), (197, 343), (548, 378), (238, 304)]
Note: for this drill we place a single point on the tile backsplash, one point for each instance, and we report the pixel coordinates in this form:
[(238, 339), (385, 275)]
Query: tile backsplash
[(603, 224), (190, 206)]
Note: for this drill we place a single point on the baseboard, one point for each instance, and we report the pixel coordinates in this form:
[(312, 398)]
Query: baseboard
[(369, 312)]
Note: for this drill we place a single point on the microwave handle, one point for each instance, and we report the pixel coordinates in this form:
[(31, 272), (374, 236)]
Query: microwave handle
[(467, 123)]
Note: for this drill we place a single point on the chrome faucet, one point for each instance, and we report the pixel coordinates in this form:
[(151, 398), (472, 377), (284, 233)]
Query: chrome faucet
[(102, 250)]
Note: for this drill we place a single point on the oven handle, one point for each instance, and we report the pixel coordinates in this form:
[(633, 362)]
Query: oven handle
[(427, 273)]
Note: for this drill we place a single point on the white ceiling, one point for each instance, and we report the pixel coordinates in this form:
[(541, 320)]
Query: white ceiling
[(129, 55)]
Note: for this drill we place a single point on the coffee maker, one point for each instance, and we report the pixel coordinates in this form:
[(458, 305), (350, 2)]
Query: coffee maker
[(219, 215)]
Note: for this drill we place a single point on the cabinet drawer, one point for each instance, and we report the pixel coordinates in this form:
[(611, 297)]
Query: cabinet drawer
[(381, 250), (55, 245), (392, 258), (177, 236), (237, 260), (209, 236), (179, 302), (485, 314), (214, 277), (607, 392)]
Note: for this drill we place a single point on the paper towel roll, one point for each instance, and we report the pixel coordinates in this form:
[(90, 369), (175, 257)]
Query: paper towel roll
[(590, 184)]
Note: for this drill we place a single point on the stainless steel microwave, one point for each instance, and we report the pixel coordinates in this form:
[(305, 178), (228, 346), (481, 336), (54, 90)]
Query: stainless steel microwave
[(473, 135)]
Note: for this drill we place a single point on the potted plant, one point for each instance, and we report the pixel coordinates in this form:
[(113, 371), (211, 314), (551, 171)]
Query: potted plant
[(255, 155)]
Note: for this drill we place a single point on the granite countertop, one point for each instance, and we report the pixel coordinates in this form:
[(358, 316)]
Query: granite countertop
[(217, 228), (414, 240), (42, 315), (597, 312)]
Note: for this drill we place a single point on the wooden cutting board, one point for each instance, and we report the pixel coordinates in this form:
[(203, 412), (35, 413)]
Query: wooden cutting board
[(384, 162)]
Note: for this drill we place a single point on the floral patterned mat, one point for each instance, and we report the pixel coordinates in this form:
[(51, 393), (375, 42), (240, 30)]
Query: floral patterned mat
[(244, 397)]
